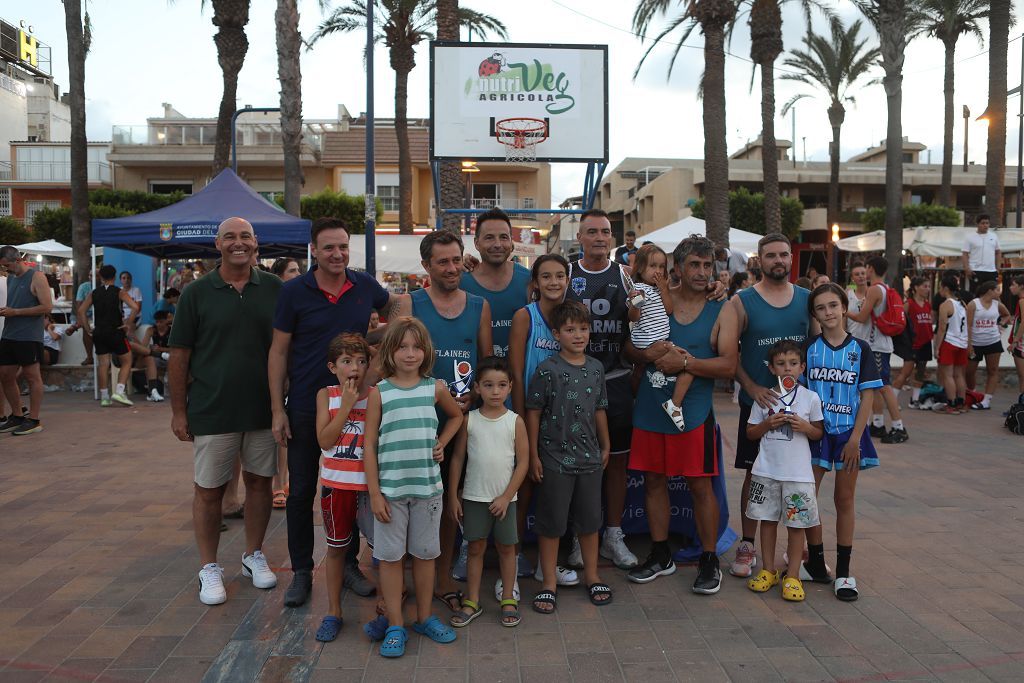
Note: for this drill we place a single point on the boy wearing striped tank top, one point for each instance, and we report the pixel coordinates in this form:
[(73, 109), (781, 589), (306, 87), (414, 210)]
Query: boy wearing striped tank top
[(401, 451), (340, 429)]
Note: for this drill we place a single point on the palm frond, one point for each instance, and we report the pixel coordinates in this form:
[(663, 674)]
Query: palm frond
[(481, 23)]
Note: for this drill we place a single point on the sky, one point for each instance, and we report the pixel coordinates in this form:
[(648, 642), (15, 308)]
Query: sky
[(147, 52)]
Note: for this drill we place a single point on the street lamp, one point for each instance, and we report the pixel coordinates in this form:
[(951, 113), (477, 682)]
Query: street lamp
[(967, 117)]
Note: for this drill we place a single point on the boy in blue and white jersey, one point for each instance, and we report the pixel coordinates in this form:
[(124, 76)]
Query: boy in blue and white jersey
[(841, 370)]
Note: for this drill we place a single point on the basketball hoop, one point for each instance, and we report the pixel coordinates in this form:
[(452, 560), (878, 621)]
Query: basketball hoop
[(521, 137)]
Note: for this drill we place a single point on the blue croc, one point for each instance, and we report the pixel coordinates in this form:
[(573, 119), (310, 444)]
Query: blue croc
[(376, 629), (394, 642), (433, 628), (328, 630)]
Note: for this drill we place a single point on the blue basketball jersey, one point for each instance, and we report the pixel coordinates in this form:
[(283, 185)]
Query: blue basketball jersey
[(838, 374)]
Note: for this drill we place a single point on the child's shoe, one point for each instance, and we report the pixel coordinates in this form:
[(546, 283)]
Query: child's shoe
[(746, 560), (764, 581), (792, 589)]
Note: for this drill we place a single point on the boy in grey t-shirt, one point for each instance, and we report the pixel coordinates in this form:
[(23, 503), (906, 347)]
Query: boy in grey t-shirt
[(568, 431)]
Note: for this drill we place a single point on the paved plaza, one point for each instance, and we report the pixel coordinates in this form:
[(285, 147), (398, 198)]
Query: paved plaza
[(98, 579)]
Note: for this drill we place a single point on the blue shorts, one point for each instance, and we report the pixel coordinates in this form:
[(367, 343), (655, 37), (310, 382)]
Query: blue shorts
[(882, 365), (828, 453)]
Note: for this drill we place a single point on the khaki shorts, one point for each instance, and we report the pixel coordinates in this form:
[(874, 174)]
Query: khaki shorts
[(215, 454), (791, 502), (414, 528)]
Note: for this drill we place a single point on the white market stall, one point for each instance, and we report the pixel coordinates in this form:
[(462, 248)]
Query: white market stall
[(931, 241), (396, 253), (51, 248), (671, 235)]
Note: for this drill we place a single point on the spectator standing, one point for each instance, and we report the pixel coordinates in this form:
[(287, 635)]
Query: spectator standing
[(984, 340), (286, 269), (221, 338), (21, 346), (981, 255), (921, 321), (951, 340), (623, 252), (52, 334)]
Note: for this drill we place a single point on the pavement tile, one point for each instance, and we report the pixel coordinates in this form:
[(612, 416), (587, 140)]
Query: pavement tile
[(645, 672), (624, 618), (823, 640), (440, 675), (796, 664), (337, 676), (49, 651), (446, 655), (754, 670), (544, 674), (849, 668), (595, 667), (146, 652), (204, 641), (951, 667), (768, 632), (485, 668), (581, 637), (729, 644), (539, 649), (107, 642), (181, 669)]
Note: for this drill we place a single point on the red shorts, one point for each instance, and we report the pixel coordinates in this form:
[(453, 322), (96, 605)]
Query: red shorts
[(339, 509), (951, 355), (689, 454)]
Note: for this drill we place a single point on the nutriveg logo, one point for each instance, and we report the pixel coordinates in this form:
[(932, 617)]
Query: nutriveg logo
[(498, 79)]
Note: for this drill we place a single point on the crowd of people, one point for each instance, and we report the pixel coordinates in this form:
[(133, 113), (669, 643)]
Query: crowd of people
[(498, 389)]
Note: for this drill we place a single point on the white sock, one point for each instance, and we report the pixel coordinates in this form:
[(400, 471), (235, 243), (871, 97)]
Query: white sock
[(120, 388), (878, 420), (916, 395), (104, 393), (985, 401), (897, 424)]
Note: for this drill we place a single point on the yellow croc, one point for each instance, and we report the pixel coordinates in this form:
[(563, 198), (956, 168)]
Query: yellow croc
[(764, 581), (792, 590)]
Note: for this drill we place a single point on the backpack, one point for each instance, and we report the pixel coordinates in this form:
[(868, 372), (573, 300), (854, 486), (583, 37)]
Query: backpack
[(893, 320), (1015, 418)]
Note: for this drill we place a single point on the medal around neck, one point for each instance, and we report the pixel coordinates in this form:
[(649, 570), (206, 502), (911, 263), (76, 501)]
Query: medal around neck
[(787, 386)]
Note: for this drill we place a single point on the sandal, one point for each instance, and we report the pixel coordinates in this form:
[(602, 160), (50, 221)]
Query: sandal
[(447, 599), (806, 575), (280, 499), (599, 589), (377, 628), (510, 618), (462, 617), (764, 581), (845, 589), (433, 628), (545, 602), (675, 413), (793, 590), (394, 642), (329, 628)]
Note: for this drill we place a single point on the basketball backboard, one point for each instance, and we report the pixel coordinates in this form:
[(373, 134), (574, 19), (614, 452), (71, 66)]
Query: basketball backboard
[(473, 86)]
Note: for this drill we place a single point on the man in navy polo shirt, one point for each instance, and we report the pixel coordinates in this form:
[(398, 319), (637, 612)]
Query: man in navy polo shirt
[(311, 310)]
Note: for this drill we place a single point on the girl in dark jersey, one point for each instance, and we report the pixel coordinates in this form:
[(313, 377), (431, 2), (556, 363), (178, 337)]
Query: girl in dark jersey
[(921, 320)]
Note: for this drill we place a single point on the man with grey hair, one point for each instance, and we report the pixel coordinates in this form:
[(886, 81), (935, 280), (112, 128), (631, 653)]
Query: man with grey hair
[(221, 339), (703, 342)]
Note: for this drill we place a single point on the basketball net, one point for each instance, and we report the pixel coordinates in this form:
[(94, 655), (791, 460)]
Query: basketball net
[(521, 137)]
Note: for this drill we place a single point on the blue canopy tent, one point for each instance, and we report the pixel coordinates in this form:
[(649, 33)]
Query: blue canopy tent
[(187, 228)]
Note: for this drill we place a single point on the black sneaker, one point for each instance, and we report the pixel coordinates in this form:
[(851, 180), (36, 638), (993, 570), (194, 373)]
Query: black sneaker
[(298, 592), (896, 436), (651, 569), (709, 577), (876, 432), (27, 426), (354, 579), (10, 423)]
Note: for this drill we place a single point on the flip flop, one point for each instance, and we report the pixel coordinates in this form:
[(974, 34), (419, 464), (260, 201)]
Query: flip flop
[(446, 600), (597, 589), (394, 642), (547, 601), (329, 628), (280, 499), (845, 589), (463, 618), (513, 615), (433, 628)]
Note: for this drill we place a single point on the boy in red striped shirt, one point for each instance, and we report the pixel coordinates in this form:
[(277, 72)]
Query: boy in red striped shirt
[(340, 427)]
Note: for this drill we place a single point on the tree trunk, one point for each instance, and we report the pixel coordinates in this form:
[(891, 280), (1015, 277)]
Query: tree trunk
[(716, 156), (836, 117), (81, 232), (995, 156), (230, 16), (765, 48), (453, 185), (404, 157), (892, 36), (945, 188), (289, 43)]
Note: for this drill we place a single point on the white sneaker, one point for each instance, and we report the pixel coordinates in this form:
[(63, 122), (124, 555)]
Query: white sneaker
[(499, 589), (211, 584), (746, 560), (256, 567), (154, 396), (122, 399), (613, 547), (575, 559), (563, 576)]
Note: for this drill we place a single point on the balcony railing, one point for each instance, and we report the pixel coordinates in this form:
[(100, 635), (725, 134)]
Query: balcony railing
[(507, 204), (5, 170), (57, 171), (205, 134)]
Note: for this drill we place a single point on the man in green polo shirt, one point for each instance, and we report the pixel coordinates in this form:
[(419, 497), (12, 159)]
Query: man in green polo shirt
[(219, 346)]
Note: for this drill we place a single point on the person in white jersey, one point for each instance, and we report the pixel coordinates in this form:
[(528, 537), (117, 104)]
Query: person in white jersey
[(951, 346), (984, 340), (981, 254)]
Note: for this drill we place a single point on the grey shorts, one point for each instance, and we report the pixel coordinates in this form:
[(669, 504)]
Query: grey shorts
[(414, 528), (478, 523), (794, 503), (560, 496), (215, 454)]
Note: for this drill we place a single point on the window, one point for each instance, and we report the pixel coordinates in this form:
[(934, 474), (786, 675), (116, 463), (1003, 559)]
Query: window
[(908, 158), (31, 207), (388, 195), (170, 186), (5, 201), (354, 185)]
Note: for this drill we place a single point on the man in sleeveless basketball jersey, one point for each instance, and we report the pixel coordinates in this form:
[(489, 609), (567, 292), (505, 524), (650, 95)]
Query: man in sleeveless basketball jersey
[(460, 329), (502, 282), (771, 310), (703, 342)]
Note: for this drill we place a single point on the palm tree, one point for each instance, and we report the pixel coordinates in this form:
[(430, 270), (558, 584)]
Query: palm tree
[(897, 22), (713, 17), (453, 185), (995, 157), (230, 17), (947, 20), (404, 25), (81, 232), (834, 65), (289, 43)]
